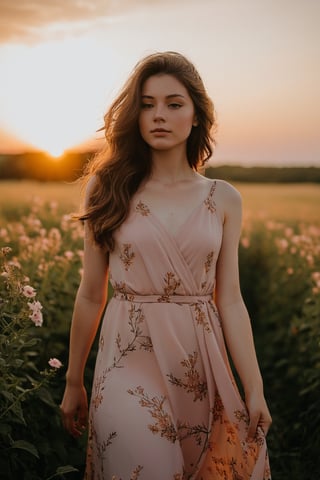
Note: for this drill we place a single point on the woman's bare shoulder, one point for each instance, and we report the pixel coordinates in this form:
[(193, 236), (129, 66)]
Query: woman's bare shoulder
[(228, 192), (228, 199)]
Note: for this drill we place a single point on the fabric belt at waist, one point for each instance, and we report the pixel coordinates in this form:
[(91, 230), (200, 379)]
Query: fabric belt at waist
[(162, 298)]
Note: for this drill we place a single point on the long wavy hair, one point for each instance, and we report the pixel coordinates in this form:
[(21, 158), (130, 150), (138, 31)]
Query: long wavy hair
[(125, 160)]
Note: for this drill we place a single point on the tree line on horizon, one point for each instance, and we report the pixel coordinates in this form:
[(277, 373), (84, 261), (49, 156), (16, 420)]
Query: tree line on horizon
[(42, 167)]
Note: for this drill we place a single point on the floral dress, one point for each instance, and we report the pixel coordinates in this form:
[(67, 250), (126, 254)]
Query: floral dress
[(164, 403)]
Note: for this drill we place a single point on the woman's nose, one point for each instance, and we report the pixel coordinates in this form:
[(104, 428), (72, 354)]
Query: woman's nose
[(159, 113)]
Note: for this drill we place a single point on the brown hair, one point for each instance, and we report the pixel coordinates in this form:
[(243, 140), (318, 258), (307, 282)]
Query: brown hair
[(125, 160)]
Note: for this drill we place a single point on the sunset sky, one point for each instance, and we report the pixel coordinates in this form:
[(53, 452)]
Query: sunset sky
[(63, 61)]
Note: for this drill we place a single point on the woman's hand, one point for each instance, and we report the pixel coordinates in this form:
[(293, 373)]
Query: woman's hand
[(74, 409), (258, 413)]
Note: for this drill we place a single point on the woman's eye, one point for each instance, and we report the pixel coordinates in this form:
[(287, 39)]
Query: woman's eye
[(146, 106), (175, 105)]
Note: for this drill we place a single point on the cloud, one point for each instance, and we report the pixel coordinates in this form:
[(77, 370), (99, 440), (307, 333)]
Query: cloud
[(24, 20), (28, 21)]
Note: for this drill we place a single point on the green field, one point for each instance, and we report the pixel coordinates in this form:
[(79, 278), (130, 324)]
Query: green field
[(279, 202)]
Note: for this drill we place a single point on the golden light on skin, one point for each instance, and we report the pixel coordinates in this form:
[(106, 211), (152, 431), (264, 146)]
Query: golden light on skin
[(55, 94)]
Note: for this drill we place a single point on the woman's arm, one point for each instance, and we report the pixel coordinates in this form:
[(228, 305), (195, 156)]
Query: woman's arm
[(234, 316), (89, 304)]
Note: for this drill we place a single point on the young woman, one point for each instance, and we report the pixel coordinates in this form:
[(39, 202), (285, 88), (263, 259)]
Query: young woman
[(164, 403)]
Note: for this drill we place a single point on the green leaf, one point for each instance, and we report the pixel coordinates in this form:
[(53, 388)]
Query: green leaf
[(66, 469), (28, 447), (63, 470)]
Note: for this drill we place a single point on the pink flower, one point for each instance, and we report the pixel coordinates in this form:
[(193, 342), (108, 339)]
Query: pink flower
[(68, 254), (36, 317), (35, 306), (55, 363), (6, 250), (28, 291)]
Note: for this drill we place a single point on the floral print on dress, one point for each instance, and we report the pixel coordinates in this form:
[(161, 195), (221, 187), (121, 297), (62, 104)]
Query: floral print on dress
[(142, 208), (171, 284), (127, 255), (201, 317), (207, 265), (240, 463), (192, 382), (162, 377), (209, 201), (208, 262), (136, 340), (100, 447), (98, 387), (120, 290), (134, 476), (163, 424)]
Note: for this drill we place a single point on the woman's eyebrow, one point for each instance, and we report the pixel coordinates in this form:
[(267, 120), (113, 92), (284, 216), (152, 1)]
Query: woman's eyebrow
[(172, 95)]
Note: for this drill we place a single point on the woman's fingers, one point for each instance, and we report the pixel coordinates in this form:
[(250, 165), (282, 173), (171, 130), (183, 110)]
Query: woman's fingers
[(74, 410), (258, 419), (253, 425), (259, 415), (73, 424)]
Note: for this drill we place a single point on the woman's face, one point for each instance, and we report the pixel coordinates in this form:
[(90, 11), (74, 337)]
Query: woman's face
[(167, 113)]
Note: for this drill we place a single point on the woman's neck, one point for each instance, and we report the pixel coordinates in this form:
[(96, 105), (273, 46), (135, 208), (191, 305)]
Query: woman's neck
[(170, 168)]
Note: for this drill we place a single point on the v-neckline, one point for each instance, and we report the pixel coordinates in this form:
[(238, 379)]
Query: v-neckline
[(188, 218)]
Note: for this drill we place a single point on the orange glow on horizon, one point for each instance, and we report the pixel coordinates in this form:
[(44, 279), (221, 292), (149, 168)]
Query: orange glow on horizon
[(56, 155), (54, 107)]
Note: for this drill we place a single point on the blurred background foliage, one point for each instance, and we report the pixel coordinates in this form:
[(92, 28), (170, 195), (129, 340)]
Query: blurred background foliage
[(41, 166)]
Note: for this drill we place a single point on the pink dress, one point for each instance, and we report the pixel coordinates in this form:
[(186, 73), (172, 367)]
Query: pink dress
[(164, 404)]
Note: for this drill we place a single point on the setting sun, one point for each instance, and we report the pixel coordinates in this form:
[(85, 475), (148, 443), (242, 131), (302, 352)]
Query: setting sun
[(55, 153), (54, 108)]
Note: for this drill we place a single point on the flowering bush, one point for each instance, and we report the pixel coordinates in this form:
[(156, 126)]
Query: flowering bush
[(46, 244), (21, 384), (280, 273)]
